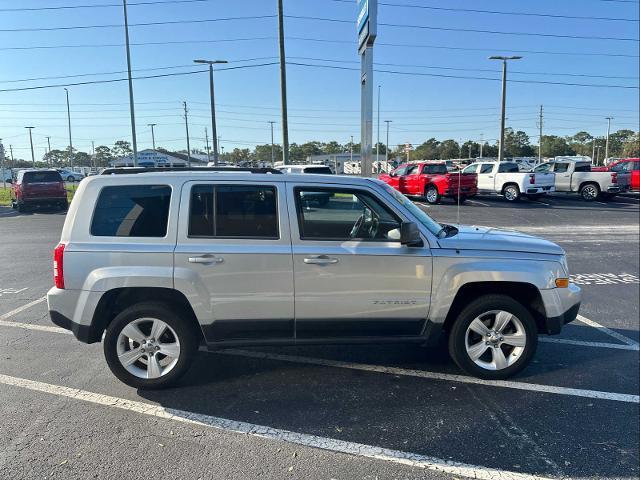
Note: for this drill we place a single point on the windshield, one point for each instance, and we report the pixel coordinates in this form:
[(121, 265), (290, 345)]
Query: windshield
[(433, 226)]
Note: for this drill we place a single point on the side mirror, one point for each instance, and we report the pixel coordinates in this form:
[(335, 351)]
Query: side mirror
[(410, 235)]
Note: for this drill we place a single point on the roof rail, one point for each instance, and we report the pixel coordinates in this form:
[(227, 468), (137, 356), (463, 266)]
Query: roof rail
[(128, 170)]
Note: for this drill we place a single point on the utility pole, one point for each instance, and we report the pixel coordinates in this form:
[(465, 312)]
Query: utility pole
[(93, 153), (214, 131), (131, 104), (33, 157), (273, 149), (504, 100), (351, 149), (206, 139), (470, 145), (387, 144), (606, 148), (593, 152), (598, 153), (69, 123), (13, 162), (49, 150), (283, 86), (153, 135), (481, 144), (540, 137), (378, 134), (186, 126), (4, 180)]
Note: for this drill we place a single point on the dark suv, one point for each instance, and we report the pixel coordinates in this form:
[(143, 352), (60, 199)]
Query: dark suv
[(38, 188)]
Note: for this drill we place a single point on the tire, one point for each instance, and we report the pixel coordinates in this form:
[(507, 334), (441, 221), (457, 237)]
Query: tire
[(511, 193), (20, 207), (487, 365), (71, 178), (13, 205), (432, 195), (590, 192), (177, 330)]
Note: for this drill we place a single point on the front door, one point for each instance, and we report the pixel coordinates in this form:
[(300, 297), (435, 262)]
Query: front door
[(233, 257), (353, 278), (486, 177), (563, 176), (411, 181)]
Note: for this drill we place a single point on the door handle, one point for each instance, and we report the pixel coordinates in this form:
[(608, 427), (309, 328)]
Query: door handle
[(321, 260), (490, 176), (206, 260)]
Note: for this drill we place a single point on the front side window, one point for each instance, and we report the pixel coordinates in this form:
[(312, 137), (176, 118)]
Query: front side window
[(486, 168), (398, 172), (412, 170), (561, 167), (132, 211), (340, 215), (545, 167), (471, 169), (233, 211)]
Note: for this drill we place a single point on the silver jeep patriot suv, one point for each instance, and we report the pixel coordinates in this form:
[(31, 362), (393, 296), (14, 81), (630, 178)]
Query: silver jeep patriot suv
[(155, 264)]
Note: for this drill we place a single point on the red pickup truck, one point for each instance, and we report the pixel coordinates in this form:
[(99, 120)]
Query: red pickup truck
[(626, 165), (432, 181)]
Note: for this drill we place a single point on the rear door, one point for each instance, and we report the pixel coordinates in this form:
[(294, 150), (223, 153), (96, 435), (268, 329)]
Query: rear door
[(353, 278), (234, 252)]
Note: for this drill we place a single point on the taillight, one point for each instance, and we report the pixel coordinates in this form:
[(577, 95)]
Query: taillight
[(58, 266), (532, 178), (614, 178)]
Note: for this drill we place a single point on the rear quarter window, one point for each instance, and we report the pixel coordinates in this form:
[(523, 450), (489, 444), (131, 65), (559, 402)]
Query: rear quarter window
[(132, 211), (41, 177), (583, 167), (508, 168)]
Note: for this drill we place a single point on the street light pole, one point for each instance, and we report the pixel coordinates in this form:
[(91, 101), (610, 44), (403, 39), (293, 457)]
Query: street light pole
[(153, 135), (351, 149), (273, 150), (186, 126), (33, 157), (131, 104), (69, 124), (504, 100), (214, 131), (378, 134), (387, 144), (283, 85), (606, 148)]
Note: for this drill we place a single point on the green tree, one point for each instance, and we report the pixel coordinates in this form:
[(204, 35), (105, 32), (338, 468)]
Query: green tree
[(632, 147), (121, 148), (81, 159), (516, 144), (449, 149), (553, 146), (428, 150), (332, 147), (617, 141), (262, 153), (56, 158), (103, 156), (582, 143)]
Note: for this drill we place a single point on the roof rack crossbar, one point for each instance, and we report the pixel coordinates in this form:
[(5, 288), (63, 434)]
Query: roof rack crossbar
[(128, 170)]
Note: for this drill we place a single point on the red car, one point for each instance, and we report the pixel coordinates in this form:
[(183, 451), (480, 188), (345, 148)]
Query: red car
[(626, 165), (432, 181), (38, 188)]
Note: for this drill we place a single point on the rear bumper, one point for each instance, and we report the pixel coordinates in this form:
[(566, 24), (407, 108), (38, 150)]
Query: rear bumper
[(43, 200), (73, 310)]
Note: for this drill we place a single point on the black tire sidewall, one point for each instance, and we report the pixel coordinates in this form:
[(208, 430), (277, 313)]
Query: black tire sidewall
[(483, 304), (185, 331)]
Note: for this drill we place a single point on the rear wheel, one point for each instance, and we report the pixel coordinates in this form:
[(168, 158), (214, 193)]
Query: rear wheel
[(511, 193), (590, 192), (494, 337), (150, 346), (432, 195)]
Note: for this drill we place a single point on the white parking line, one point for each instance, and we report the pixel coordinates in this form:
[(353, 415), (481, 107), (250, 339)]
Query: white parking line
[(608, 331), (478, 202), (533, 387), (582, 343), (269, 433), (22, 308)]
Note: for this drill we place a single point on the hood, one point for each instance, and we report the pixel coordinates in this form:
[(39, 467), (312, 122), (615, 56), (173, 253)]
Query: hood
[(485, 238)]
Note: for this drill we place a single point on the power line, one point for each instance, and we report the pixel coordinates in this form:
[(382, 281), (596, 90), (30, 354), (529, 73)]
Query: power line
[(471, 30), (497, 12), (101, 5)]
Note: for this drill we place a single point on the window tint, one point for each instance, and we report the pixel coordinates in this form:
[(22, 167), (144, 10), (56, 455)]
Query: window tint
[(237, 211), (435, 169), (561, 167), (486, 168), (322, 170), (583, 167), (132, 211), (470, 169), (508, 168), (545, 167), (333, 214), (41, 177)]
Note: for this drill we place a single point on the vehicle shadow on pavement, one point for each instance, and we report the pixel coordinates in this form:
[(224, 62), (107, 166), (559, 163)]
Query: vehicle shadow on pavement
[(8, 212)]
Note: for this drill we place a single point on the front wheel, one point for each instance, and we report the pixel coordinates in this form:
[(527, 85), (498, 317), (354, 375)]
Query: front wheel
[(432, 195), (71, 178), (493, 338), (150, 346)]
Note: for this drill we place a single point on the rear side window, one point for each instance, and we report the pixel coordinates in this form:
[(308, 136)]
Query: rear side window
[(132, 211), (508, 168), (233, 211), (583, 167), (435, 169), (41, 177)]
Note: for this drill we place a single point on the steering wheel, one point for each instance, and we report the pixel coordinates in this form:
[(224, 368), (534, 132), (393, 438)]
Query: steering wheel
[(357, 226), (373, 229)]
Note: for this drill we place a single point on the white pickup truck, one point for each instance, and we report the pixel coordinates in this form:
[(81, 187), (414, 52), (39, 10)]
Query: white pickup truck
[(505, 178), (575, 176)]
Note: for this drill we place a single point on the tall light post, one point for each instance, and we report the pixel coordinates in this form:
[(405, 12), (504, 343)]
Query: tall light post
[(214, 133), (283, 85), (69, 124), (606, 148), (273, 150), (387, 144), (134, 142), (504, 100), (378, 133), (153, 135), (351, 150), (33, 157)]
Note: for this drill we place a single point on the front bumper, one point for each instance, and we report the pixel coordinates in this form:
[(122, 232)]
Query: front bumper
[(561, 306)]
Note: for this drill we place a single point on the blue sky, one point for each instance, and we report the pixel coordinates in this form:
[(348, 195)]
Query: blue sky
[(323, 102)]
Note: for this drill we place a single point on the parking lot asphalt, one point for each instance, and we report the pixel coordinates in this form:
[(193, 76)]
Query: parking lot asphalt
[(338, 412)]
